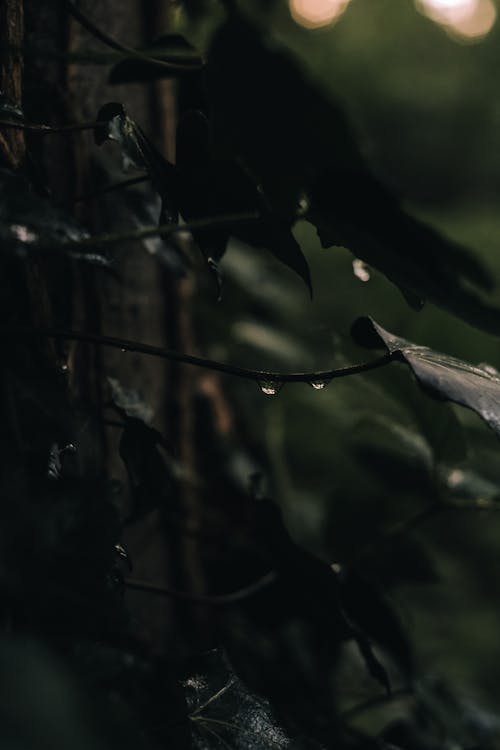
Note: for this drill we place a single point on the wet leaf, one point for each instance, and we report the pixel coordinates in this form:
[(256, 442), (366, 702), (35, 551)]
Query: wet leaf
[(144, 209), (140, 153), (224, 711), (441, 375), (284, 641), (210, 186)]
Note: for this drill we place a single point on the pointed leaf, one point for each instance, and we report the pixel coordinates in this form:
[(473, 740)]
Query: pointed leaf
[(441, 375), (140, 152)]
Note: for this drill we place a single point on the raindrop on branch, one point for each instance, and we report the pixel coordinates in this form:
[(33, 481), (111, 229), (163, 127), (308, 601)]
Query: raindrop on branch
[(270, 387), (320, 385)]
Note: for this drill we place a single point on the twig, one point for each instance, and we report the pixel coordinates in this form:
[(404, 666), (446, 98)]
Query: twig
[(39, 128), (217, 599), (155, 351), (109, 41), (92, 57), (398, 529), (480, 505), (110, 188), (163, 230)]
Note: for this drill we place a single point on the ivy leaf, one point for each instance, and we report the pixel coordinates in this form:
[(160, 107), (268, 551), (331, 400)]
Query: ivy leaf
[(296, 142), (172, 48), (284, 641), (148, 473), (224, 712), (210, 186), (143, 207), (444, 377), (140, 153)]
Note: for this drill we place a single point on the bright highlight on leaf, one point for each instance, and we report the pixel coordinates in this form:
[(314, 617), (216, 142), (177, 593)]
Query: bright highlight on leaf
[(463, 19), (316, 13), (360, 270)]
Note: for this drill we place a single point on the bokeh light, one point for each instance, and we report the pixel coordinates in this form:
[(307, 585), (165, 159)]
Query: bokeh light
[(462, 19), (316, 13)]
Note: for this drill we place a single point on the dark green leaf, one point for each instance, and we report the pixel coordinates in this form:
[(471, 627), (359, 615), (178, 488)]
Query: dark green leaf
[(210, 186), (140, 153), (443, 376), (224, 712), (296, 142)]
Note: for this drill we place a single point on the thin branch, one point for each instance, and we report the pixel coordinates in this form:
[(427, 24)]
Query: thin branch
[(400, 528), (262, 376), (109, 41), (480, 505), (163, 230), (39, 128), (217, 599), (110, 188), (92, 57), (375, 702)]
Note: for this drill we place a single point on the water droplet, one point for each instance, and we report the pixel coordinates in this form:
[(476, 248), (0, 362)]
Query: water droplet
[(455, 478), (489, 369), (360, 270), (214, 268), (270, 387), (320, 385), (303, 205), (22, 233)]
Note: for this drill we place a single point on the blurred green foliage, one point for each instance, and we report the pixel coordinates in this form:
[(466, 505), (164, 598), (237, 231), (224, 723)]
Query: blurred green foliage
[(397, 489)]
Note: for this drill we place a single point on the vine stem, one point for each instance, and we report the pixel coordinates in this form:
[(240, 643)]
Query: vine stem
[(109, 41), (110, 188), (155, 351), (215, 599), (40, 128), (163, 230)]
